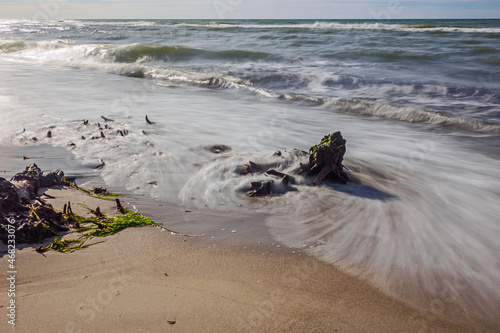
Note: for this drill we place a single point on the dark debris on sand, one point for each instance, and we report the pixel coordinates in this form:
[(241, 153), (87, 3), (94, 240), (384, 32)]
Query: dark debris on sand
[(34, 218)]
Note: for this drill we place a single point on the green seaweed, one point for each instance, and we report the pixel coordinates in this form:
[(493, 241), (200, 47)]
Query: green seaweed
[(96, 226), (111, 225), (34, 214), (108, 196), (99, 227), (63, 245)]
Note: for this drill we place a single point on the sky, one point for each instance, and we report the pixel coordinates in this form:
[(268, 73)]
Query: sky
[(247, 9)]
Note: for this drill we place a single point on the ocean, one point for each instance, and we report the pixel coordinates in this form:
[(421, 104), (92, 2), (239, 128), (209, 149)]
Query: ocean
[(418, 102)]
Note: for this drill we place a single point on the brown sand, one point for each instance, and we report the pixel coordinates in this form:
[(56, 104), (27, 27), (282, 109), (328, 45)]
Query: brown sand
[(148, 280)]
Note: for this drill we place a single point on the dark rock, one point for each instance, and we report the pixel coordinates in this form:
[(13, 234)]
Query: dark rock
[(49, 134), (52, 179), (260, 189), (100, 190), (217, 149)]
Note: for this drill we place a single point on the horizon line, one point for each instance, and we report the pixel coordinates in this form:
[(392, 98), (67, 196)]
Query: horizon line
[(249, 19)]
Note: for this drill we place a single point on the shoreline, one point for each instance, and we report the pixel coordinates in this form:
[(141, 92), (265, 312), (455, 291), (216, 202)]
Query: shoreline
[(218, 281), (143, 278)]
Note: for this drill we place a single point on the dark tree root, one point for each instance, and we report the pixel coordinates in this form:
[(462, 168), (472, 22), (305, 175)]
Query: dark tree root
[(325, 163)]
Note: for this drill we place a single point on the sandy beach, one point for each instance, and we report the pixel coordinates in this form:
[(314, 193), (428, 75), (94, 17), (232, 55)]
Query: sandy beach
[(147, 279), (151, 281)]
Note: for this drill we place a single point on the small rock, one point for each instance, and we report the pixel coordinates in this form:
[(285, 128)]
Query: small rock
[(217, 149), (260, 189)]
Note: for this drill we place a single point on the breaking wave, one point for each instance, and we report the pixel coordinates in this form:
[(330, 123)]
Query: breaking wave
[(319, 25), (188, 66)]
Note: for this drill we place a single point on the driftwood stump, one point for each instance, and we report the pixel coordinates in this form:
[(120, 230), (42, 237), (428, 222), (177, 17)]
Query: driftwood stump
[(325, 159)]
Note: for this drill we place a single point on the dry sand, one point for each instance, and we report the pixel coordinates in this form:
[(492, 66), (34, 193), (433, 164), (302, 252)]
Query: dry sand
[(148, 280)]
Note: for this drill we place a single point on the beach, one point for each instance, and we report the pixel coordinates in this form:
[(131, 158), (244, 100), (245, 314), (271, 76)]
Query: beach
[(185, 119), (139, 280), (148, 279), (217, 280)]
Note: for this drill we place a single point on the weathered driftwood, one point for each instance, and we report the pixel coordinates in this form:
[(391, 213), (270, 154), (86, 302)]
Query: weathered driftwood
[(251, 168), (34, 219), (32, 178), (325, 163), (325, 159)]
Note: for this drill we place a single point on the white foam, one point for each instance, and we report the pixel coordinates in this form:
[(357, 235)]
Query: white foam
[(346, 27)]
